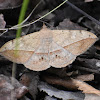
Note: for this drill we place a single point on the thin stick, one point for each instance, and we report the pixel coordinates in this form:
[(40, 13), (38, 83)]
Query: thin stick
[(27, 16), (82, 12), (43, 15), (15, 26)]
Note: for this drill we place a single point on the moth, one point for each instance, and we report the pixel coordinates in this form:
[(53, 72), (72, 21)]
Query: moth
[(40, 50)]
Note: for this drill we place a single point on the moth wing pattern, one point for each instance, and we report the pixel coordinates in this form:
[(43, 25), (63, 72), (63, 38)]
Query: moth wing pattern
[(75, 41), (60, 57)]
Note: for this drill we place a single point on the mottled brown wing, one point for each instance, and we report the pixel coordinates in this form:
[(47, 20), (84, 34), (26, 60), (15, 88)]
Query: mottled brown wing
[(26, 46), (40, 59), (75, 41), (60, 57)]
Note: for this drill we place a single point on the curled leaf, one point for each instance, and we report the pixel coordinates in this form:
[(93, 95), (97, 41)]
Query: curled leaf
[(85, 87)]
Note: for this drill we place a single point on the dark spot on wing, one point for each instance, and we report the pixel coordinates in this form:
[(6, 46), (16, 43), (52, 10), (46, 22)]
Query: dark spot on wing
[(56, 56), (42, 58)]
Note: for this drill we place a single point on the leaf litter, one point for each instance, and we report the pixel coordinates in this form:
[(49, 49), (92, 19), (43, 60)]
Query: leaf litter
[(70, 72)]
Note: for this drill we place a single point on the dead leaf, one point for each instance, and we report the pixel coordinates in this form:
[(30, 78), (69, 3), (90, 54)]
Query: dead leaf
[(63, 95), (9, 91), (91, 97), (40, 50), (2, 22), (6, 4), (68, 24), (87, 77), (86, 88), (66, 83)]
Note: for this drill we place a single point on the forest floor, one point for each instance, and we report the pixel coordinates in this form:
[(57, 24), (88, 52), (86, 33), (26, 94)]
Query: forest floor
[(77, 81)]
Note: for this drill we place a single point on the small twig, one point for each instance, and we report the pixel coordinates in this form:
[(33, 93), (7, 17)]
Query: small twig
[(82, 12), (26, 17), (15, 27), (4, 32), (18, 26), (42, 16)]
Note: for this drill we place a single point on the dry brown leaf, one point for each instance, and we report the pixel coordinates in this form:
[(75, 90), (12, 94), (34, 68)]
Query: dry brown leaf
[(67, 83), (86, 88), (40, 50), (87, 77)]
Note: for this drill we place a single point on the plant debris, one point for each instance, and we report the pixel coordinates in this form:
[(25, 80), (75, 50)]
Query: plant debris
[(79, 80)]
